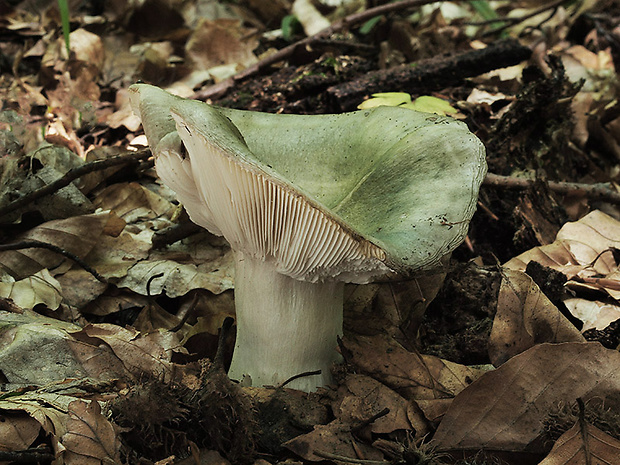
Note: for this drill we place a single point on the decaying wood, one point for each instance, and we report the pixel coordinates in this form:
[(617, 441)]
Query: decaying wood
[(430, 74), (592, 191), (219, 89)]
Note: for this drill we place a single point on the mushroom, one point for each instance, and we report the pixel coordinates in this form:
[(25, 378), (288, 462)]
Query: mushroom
[(309, 203)]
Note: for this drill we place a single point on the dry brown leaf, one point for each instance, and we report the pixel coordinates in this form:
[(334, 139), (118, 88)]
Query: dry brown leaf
[(140, 353), (77, 235), (577, 245), (40, 288), (38, 350), (114, 256), (132, 202), (577, 443), (525, 317), (332, 439), (220, 42), (90, 437), (434, 409), (88, 48), (594, 314), (412, 375), (390, 307), (505, 408), (48, 409), (17, 430), (79, 287), (363, 397), (108, 304), (311, 19), (176, 279)]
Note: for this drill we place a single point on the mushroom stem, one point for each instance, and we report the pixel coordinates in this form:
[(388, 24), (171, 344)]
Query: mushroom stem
[(284, 326)]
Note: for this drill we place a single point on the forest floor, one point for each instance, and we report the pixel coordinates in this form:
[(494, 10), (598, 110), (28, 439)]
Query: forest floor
[(112, 301)]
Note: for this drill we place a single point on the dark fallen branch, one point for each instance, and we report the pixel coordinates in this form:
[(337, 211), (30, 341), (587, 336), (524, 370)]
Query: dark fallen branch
[(297, 376), (30, 244), (175, 233), (599, 191), (71, 176), (286, 52), (27, 456), (430, 74)]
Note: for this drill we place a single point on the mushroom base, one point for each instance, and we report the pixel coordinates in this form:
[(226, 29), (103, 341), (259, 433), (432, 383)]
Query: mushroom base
[(285, 327)]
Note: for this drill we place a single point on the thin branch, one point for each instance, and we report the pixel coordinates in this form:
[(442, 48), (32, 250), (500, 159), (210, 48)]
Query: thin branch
[(297, 376), (32, 244), (287, 51), (370, 420), (600, 191), (36, 455), (72, 175), (342, 458)]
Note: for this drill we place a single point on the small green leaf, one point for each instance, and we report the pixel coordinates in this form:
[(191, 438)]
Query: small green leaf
[(63, 6), (369, 25), (290, 26), (484, 9), (388, 99), (430, 104)]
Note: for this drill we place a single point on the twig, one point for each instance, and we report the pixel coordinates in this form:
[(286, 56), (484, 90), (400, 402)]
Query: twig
[(27, 456), (30, 244), (342, 458), (370, 420), (72, 175), (600, 191), (175, 233), (287, 51), (297, 376)]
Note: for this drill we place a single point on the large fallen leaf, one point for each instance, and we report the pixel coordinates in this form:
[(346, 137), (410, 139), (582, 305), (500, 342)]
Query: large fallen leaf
[(79, 287), (525, 317), (328, 440), (220, 42), (113, 256), (412, 375), (38, 350), (139, 352), (364, 397), (90, 437), (17, 431), (579, 442), (77, 235), (40, 288), (177, 279), (132, 201), (48, 409), (395, 307), (505, 408)]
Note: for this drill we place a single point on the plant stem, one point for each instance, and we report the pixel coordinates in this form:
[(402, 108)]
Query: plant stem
[(284, 326)]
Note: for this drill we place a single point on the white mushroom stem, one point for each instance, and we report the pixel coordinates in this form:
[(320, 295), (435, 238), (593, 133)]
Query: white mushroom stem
[(285, 327)]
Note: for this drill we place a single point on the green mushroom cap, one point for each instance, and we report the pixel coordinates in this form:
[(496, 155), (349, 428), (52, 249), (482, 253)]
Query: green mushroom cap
[(349, 197)]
